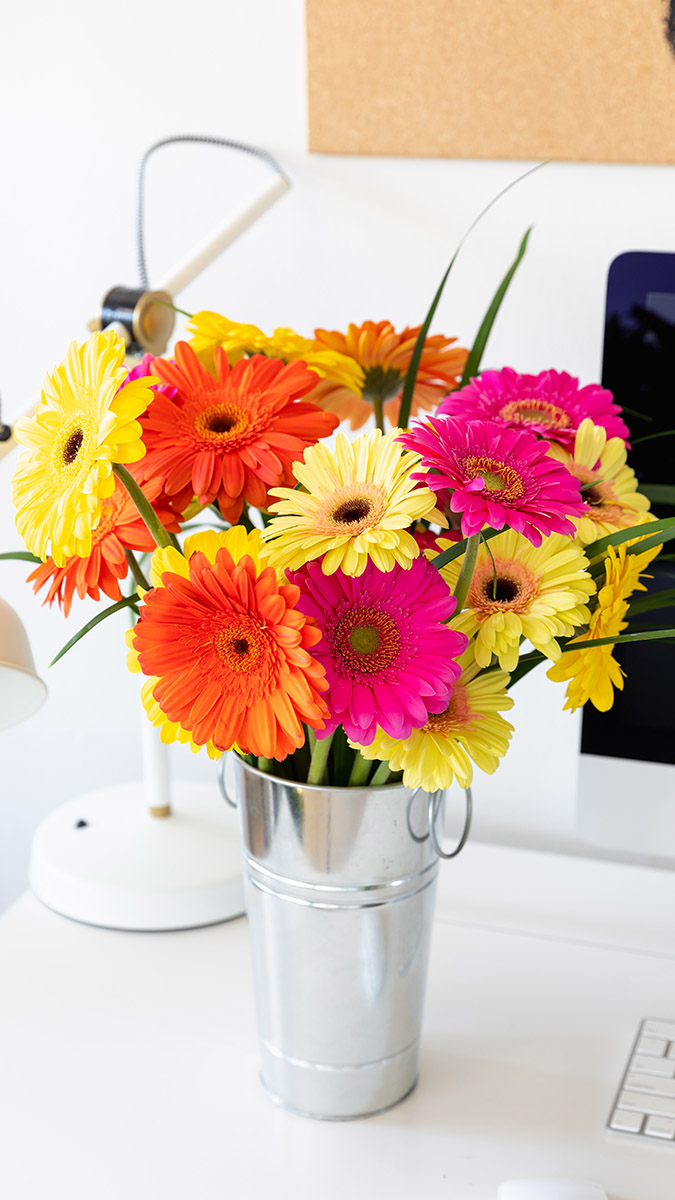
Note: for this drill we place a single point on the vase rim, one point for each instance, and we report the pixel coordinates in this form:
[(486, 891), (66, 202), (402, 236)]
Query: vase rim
[(323, 787)]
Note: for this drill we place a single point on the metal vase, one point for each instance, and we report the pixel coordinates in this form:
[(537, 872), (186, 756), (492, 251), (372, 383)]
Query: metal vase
[(340, 887)]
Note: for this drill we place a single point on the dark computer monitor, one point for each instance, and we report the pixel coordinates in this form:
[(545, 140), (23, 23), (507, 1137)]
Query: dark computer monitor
[(629, 752)]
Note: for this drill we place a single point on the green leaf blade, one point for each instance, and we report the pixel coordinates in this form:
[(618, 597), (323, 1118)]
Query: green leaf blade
[(127, 602), (20, 556), (473, 362)]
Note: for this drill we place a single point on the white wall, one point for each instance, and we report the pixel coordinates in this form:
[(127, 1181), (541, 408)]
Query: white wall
[(83, 90)]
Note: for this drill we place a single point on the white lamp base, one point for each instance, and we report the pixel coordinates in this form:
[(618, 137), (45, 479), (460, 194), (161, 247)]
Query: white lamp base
[(104, 860)]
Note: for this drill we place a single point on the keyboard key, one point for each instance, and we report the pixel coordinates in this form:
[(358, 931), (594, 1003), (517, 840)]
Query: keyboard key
[(657, 1106), (653, 1066), (661, 1127), (653, 1084), (660, 1029), (655, 1046), (627, 1122), (671, 1052)]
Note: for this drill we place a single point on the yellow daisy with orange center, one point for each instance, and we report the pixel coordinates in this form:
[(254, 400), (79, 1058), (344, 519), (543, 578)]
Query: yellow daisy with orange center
[(521, 591), (470, 730), (610, 496), (358, 503)]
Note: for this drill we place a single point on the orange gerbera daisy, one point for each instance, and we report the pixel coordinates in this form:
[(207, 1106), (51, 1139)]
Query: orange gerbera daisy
[(231, 436), (230, 655), (384, 356), (120, 526)]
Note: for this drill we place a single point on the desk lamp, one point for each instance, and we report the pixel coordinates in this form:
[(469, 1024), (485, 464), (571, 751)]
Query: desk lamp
[(22, 691), (154, 855)]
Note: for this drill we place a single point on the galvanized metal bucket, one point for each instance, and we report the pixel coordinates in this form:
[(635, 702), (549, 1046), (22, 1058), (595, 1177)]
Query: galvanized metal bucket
[(340, 887)]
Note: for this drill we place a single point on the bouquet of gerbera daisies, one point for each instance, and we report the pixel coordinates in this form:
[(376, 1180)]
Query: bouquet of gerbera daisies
[(334, 610)]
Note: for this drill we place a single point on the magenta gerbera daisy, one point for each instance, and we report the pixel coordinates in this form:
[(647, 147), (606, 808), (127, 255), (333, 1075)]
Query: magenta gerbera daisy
[(550, 405), (389, 657), (497, 476)]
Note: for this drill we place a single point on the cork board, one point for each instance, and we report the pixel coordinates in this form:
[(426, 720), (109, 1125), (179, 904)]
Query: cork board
[(589, 80)]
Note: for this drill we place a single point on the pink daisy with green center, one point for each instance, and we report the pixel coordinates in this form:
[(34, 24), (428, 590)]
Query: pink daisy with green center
[(550, 405), (497, 477), (390, 658)]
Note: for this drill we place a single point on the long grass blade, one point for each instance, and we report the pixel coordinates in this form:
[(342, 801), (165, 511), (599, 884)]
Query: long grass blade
[(127, 602), (411, 376), (626, 535), (648, 635), (477, 350)]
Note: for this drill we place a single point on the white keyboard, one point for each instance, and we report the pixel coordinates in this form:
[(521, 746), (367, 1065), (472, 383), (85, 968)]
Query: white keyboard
[(645, 1103)]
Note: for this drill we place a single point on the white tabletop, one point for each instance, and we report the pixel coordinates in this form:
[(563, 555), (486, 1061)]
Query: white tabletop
[(128, 1061)]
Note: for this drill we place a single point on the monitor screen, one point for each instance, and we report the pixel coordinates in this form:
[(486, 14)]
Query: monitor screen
[(639, 368)]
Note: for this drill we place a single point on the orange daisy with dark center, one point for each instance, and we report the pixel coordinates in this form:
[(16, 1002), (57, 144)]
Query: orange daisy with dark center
[(231, 653), (120, 526), (384, 356), (231, 436)]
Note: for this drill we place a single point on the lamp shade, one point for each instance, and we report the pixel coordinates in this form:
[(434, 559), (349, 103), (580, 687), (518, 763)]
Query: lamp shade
[(22, 691)]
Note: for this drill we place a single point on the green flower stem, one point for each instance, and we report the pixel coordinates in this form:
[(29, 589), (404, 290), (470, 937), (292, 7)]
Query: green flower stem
[(381, 775), (319, 760), (147, 512), (376, 399), (360, 770), (466, 570), (135, 568), (265, 764)]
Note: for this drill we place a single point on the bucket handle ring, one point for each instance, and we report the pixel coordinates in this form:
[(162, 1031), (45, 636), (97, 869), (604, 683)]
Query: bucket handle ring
[(433, 809), (222, 784)]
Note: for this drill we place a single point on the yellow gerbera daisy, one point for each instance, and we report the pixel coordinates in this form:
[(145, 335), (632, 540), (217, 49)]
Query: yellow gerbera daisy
[(470, 729), (209, 542), (83, 424), (613, 501), (357, 504), (536, 593), (592, 673), (209, 329)]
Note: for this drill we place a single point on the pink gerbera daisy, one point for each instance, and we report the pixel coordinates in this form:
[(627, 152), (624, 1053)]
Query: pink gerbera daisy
[(550, 405), (497, 476), (389, 657)]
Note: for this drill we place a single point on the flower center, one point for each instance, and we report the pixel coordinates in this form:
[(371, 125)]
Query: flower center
[(221, 422), (501, 590), (455, 718), (365, 641), (72, 446), (516, 588), (352, 509), (498, 477), (600, 494), (383, 382), (535, 412), (241, 645)]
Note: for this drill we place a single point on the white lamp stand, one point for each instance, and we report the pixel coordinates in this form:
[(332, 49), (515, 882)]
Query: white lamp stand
[(135, 857)]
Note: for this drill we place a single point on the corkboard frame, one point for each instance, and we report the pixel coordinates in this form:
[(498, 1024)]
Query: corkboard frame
[(576, 80)]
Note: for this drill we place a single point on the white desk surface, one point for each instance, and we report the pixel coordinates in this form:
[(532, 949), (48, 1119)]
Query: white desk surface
[(128, 1061)]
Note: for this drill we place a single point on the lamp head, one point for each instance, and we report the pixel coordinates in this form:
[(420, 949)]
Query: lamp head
[(22, 691)]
